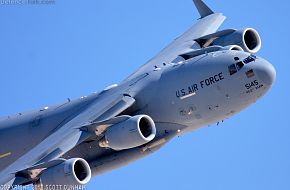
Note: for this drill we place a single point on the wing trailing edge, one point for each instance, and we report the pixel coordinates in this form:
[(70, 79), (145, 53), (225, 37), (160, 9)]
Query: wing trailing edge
[(202, 8)]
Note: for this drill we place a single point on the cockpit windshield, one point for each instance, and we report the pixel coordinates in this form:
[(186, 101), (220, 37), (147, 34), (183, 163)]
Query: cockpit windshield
[(234, 68), (250, 59), (240, 65)]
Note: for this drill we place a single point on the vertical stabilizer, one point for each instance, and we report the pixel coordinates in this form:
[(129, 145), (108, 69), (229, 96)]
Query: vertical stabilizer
[(202, 8)]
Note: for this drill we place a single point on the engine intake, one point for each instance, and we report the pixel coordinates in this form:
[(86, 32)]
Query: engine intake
[(248, 39), (72, 172), (134, 132)]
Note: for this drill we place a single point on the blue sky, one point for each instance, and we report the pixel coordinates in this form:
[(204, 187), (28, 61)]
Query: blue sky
[(73, 48)]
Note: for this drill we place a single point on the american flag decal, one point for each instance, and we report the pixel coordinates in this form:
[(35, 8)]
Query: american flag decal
[(250, 73)]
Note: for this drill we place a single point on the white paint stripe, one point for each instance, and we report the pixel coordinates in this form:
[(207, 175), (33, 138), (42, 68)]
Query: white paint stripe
[(4, 155), (187, 96)]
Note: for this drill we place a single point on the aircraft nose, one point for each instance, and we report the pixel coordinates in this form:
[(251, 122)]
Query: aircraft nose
[(266, 72)]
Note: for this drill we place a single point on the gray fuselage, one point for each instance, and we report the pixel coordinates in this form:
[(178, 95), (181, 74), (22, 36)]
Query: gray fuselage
[(180, 97)]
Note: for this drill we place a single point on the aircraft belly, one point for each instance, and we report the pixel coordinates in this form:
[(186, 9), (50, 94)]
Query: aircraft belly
[(102, 160), (117, 160)]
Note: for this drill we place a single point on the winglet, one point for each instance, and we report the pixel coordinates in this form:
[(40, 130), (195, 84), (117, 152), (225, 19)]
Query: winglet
[(202, 8)]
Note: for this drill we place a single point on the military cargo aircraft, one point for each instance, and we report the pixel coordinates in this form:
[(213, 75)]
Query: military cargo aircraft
[(203, 77)]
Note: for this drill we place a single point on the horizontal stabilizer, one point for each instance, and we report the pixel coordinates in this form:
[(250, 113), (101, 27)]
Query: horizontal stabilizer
[(202, 8)]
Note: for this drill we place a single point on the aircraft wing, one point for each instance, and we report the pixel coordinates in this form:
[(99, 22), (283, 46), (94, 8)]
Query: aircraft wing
[(101, 107), (208, 23)]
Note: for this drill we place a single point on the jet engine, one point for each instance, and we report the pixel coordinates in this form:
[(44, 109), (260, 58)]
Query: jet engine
[(248, 39), (72, 172), (134, 132)]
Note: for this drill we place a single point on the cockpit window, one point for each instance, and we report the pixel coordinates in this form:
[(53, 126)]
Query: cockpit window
[(232, 69), (240, 65), (249, 59)]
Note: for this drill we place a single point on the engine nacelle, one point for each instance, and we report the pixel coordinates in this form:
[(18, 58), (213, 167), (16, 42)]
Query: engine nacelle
[(70, 173), (248, 39), (134, 132)]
